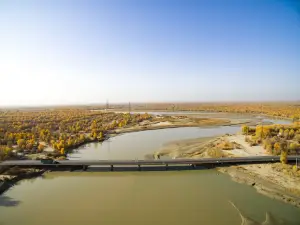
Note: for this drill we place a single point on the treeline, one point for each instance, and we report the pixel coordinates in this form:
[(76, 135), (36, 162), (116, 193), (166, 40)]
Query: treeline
[(276, 139), (60, 129), (284, 110)]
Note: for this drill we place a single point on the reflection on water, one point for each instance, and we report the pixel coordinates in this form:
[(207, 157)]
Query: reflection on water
[(137, 145), (113, 198)]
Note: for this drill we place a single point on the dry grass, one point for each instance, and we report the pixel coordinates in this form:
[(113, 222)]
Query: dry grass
[(215, 153), (287, 169)]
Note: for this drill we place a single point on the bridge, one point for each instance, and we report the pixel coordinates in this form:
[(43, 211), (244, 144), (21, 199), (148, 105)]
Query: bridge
[(84, 164)]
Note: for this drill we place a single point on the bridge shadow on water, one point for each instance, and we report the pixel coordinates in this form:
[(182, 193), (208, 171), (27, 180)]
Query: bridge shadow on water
[(142, 168), (8, 201), (135, 168)]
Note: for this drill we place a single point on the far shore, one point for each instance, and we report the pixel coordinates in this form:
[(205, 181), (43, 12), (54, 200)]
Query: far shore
[(198, 112)]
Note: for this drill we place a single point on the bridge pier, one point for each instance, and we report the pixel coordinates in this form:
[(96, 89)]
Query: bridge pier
[(84, 168), (111, 167)]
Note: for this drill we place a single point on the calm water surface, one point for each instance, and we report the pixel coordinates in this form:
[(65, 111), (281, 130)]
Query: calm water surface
[(137, 145), (114, 198)]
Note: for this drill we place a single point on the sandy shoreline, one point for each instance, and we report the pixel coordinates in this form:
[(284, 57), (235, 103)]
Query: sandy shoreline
[(265, 183), (274, 180), (174, 123)]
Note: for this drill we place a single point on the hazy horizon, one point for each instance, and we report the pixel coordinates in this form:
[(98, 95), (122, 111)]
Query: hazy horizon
[(85, 52), (125, 104)]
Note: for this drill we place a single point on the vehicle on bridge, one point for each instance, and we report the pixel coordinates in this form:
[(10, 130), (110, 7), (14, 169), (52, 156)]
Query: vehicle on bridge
[(49, 161)]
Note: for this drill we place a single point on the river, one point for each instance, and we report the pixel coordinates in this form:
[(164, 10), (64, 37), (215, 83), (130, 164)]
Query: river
[(152, 197), (137, 145)]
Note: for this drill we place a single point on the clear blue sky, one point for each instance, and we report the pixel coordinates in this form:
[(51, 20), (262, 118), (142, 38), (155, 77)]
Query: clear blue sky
[(80, 52)]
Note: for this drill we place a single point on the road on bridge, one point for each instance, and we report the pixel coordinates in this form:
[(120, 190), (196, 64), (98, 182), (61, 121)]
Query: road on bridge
[(203, 161)]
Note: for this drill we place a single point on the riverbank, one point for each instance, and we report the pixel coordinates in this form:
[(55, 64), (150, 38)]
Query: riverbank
[(210, 114), (12, 175), (274, 180), (175, 122), (159, 122)]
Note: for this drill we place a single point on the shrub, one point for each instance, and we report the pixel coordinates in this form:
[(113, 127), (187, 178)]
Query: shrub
[(227, 145), (215, 152), (245, 129)]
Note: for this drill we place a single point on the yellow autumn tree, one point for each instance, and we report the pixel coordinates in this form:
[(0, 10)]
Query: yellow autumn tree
[(245, 130), (283, 157), (41, 147), (277, 148), (21, 143)]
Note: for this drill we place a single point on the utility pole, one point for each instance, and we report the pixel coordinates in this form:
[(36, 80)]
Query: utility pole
[(107, 105), (129, 108)]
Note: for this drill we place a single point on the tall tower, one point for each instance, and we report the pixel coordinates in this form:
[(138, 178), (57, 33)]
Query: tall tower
[(107, 105), (129, 107)]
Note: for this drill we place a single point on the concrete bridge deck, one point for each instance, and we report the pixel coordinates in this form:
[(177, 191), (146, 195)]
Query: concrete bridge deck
[(138, 163)]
